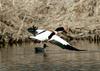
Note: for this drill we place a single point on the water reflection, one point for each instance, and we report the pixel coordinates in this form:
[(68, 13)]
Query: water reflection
[(23, 58)]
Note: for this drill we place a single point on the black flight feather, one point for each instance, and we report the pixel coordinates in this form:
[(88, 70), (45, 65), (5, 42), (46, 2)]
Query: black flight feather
[(68, 47)]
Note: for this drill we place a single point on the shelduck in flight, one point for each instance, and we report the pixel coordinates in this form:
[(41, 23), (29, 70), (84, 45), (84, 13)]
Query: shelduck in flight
[(51, 36)]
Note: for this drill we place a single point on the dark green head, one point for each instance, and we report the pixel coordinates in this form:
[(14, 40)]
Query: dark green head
[(33, 30)]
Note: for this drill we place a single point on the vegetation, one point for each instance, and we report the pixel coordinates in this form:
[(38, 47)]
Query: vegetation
[(81, 16)]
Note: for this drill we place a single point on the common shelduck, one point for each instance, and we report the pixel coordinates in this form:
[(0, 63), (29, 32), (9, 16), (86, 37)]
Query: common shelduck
[(51, 36)]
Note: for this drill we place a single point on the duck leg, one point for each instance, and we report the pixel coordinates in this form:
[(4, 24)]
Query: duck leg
[(41, 44)]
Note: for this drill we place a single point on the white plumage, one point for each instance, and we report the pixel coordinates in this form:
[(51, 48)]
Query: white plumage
[(43, 35), (60, 40)]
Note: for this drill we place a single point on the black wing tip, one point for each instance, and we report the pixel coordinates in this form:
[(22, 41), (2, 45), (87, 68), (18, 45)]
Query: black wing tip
[(69, 47)]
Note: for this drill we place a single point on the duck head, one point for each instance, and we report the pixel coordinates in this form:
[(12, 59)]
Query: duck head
[(32, 30)]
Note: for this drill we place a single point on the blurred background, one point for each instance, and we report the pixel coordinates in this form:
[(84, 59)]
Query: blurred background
[(80, 17)]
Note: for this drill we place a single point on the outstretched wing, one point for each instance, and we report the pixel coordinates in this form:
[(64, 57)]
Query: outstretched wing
[(42, 36), (62, 43)]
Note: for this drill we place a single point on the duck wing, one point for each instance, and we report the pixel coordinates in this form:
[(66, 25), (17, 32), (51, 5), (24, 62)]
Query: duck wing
[(62, 43), (42, 36)]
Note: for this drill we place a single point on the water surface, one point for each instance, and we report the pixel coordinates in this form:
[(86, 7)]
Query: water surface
[(23, 58)]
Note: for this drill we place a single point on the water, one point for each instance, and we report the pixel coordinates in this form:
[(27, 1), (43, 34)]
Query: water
[(23, 58)]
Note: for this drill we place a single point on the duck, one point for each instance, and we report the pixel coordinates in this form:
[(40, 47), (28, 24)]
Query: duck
[(40, 49), (43, 35)]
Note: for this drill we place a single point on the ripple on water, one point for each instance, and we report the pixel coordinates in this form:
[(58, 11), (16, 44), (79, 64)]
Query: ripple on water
[(23, 58)]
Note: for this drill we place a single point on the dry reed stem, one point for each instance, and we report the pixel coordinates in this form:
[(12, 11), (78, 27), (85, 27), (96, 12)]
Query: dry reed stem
[(22, 24)]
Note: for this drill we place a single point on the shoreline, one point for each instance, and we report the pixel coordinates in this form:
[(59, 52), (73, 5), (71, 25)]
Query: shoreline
[(91, 38)]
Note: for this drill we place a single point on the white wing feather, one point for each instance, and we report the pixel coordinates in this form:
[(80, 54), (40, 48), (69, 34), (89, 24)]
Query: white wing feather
[(60, 40), (42, 37), (40, 30)]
